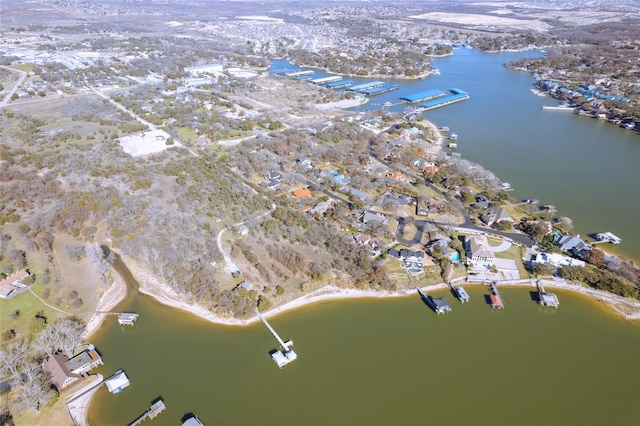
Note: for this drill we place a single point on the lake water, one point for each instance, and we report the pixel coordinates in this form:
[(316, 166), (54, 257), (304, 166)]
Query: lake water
[(382, 362)]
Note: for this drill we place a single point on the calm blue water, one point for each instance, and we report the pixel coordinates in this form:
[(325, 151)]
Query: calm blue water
[(587, 168)]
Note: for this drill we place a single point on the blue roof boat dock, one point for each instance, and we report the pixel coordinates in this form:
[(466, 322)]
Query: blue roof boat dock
[(379, 90), (366, 86), (338, 84), (423, 96), (457, 96)]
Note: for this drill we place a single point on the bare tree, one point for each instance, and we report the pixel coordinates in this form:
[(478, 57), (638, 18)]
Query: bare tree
[(12, 356), (63, 335)]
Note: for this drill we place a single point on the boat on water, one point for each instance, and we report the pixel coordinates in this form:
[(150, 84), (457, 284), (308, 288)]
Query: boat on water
[(453, 137)]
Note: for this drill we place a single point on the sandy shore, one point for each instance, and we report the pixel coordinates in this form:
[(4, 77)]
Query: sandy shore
[(114, 295)]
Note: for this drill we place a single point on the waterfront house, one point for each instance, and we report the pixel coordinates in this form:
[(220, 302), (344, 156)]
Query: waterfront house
[(496, 215), (556, 260), (478, 250), (61, 376), (482, 201), (85, 361), (571, 243)]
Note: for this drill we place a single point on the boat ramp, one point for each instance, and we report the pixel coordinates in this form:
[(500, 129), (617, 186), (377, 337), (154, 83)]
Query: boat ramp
[(496, 300), (281, 358), (439, 305)]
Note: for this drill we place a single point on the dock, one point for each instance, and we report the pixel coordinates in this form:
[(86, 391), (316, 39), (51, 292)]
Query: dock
[(339, 84), (460, 293), (423, 96), (284, 357), (438, 304), (496, 300), (366, 86), (457, 96), (298, 73), (124, 318), (557, 108), (117, 382), (608, 237), (379, 90), (156, 408), (326, 80), (547, 299)]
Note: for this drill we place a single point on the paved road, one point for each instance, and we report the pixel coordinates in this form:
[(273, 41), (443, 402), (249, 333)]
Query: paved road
[(15, 86)]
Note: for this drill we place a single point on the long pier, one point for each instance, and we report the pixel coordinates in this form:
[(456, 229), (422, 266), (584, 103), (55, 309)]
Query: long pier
[(156, 408), (284, 357)]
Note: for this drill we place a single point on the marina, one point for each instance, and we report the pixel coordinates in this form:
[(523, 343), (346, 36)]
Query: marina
[(284, 357), (494, 297)]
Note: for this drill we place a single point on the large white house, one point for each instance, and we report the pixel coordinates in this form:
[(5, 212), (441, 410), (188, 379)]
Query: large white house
[(479, 251)]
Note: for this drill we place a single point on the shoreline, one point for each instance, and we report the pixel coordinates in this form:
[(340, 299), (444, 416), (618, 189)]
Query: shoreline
[(115, 294)]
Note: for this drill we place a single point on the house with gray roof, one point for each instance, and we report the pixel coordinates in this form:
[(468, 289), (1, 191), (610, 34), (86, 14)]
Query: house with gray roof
[(495, 215)]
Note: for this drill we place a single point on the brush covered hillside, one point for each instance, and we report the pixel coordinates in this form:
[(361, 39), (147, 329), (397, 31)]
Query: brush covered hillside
[(68, 186)]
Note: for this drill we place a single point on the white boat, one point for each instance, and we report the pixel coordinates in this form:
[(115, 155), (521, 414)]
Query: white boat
[(453, 137)]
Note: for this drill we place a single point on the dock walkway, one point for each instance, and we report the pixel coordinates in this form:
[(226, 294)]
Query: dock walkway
[(156, 408)]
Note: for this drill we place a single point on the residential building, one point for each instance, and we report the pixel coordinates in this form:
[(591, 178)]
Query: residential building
[(478, 250), (373, 218), (85, 361), (496, 215), (61, 376), (13, 284)]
